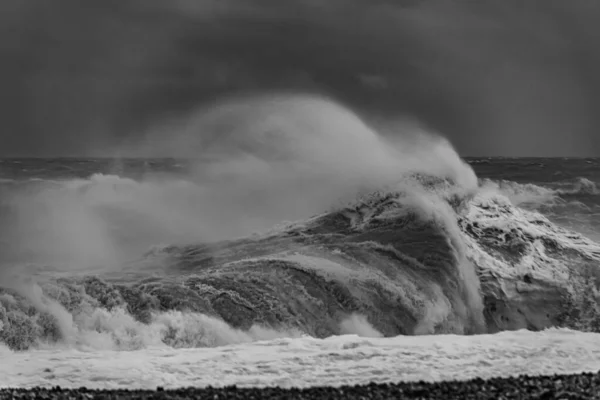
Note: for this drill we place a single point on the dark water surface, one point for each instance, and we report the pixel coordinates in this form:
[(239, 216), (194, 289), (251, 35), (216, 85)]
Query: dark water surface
[(522, 170)]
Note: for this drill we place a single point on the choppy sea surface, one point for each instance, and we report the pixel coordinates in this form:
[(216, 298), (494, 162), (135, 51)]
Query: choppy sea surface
[(138, 273)]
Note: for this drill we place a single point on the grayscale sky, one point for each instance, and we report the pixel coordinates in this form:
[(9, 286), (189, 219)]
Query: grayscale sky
[(497, 77)]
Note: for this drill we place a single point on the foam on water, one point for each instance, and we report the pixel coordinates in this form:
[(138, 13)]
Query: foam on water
[(306, 361)]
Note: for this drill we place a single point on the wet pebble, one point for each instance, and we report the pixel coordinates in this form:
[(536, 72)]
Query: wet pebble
[(581, 386)]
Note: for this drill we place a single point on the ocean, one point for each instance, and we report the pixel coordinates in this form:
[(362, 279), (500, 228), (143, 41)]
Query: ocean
[(152, 272)]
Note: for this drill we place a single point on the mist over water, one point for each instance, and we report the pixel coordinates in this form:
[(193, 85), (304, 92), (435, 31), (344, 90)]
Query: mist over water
[(255, 162)]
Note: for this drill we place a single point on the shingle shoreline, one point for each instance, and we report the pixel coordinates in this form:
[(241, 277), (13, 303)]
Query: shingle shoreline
[(579, 386)]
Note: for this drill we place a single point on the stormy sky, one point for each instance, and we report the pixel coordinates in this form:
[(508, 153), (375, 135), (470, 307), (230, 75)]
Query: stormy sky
[(497, 77)]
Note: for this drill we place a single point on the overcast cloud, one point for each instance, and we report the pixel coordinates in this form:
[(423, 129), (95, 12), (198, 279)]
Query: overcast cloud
[(502, 77)]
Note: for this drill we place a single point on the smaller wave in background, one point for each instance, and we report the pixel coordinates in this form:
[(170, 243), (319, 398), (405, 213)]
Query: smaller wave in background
[(572, 203)]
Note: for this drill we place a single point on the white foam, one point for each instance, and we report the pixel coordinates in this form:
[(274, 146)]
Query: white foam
[(490, 209), (308, 362), (359, 325), (521, 193)]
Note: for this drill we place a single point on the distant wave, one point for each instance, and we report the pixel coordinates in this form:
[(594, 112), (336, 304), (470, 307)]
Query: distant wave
[(581, 186), (521, 193)]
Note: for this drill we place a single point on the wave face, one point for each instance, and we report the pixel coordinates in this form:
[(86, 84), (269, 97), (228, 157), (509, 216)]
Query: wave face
[(391, 237)]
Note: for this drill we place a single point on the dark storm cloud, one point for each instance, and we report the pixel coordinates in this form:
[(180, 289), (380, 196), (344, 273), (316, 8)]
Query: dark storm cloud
[(497, 77)]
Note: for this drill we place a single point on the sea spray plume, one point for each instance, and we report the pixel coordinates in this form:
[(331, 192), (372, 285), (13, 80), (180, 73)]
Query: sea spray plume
[(427, 152), (294, 155), (257, 161), (53, 226)]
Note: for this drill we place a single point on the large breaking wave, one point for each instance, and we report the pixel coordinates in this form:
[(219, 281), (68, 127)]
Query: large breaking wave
[(390, 237)]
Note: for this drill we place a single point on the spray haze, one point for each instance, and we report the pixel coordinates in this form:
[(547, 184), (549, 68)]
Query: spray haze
[(255, 161)]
